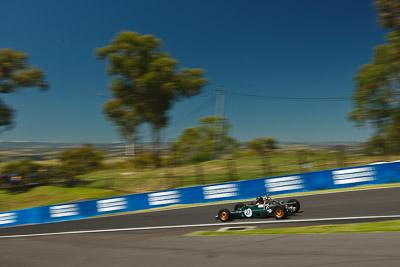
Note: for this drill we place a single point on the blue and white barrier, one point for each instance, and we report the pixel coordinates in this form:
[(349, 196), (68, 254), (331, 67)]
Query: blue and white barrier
[(303, 182)]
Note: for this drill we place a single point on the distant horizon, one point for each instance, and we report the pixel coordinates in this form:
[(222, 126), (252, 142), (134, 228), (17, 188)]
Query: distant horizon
[(147, 142)]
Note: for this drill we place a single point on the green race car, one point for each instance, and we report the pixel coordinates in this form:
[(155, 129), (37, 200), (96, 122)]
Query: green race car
[(261, 208)]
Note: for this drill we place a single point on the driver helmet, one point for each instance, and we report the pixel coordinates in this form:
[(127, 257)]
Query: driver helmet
[(259, 200)]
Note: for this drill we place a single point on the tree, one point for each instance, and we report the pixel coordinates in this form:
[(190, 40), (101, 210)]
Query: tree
[(376, 145), (146, 82), (389, 13), (197, 144), (15, 74), (263, 146), (376, 96), (79, 161), (126, 120)]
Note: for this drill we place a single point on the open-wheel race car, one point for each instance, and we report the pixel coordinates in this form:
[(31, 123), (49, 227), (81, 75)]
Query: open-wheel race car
[(261, 208)]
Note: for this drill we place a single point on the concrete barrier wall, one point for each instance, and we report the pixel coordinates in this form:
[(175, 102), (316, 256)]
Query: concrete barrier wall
[(302, 182)]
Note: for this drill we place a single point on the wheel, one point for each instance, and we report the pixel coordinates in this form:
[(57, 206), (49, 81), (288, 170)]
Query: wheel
[(224, 215), (279, 212), (238, 206), (294, 203)]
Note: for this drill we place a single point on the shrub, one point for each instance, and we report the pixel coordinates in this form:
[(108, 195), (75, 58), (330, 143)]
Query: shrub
[(78, 161), (201, 157), (143, 161)]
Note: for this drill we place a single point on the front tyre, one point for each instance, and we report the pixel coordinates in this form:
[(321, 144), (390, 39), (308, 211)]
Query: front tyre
[(279, 212), (224, 215)]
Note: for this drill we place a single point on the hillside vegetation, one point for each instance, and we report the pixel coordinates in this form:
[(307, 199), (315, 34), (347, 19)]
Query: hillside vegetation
[(120, 177)]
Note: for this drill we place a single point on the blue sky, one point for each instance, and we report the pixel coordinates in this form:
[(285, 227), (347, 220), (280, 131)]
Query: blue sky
[(291, 48)]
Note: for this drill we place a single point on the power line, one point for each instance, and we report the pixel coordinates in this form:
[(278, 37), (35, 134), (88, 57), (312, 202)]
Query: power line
[(282, 98), (219, 125), (195, 111)]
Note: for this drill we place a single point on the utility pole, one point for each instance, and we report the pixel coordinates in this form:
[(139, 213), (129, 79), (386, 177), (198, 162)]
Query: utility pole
[(219, 125)]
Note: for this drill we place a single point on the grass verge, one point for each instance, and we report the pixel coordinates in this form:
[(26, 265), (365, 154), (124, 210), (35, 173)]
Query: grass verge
[(133, 180), (49, 195), (386, 226)]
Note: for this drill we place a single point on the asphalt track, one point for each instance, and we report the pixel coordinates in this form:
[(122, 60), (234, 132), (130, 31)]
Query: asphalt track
[(170, 247), (377, 202)]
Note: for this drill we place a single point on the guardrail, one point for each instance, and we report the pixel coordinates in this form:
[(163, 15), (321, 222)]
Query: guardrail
[(303, 182)]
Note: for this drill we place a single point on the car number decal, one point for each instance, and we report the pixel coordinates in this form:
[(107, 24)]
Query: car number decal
[(248, 213)]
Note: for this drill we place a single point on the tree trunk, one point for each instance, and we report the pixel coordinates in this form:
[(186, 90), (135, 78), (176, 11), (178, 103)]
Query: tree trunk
[(156, 147), (130, 146)]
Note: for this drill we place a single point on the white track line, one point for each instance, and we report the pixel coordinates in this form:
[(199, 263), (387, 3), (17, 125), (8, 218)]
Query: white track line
[(201, 225)]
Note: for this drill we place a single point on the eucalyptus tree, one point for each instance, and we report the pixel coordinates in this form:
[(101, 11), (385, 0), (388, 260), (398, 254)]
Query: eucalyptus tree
[(198, 143), (146, 82), (16, 74), (376, 97)]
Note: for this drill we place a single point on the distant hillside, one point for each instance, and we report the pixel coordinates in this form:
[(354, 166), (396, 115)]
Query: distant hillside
[(49, 150)]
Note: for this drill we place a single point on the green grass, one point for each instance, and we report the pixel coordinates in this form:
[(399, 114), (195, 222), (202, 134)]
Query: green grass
[(49, 195), (131, 180), (386, 226)]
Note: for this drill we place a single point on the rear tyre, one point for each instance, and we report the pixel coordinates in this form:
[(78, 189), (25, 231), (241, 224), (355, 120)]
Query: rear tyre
[(279, 212), (295, 204), (224, 215), (238, 206)]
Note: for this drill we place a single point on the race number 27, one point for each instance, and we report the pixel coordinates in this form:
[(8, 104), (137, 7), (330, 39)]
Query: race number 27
[(248, 213)]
